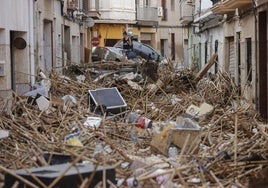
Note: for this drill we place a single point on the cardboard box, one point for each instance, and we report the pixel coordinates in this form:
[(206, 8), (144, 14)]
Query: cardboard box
[(199, 112), (177, 136)]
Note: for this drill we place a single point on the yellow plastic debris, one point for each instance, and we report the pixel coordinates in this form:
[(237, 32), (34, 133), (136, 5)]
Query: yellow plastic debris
[(74, 141), (165, 129)]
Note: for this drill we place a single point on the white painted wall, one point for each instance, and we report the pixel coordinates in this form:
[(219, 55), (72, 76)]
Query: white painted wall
[(51, 10), (172, 25), (26, 19), (212, 35), (16, 16), (117, 9)]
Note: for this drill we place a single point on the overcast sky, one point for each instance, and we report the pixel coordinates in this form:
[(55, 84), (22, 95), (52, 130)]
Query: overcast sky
[(206, 4)]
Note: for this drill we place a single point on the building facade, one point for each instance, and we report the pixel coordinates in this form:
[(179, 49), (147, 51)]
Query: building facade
[(153, 22), (244, 54), (170, 31), (16, 45), (237, 31), (38, 35), (111, 18)]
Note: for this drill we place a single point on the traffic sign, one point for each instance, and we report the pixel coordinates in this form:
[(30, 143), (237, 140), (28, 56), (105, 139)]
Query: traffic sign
[(95, 41)]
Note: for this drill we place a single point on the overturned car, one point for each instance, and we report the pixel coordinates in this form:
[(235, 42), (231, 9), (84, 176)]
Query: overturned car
[(144, 51), (116, 53)]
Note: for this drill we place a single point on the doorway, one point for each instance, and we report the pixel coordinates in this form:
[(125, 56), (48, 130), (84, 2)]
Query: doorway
[(75, 50), (173, 46), (164, 47), (19, 62), (185, 53), (249, 59), (262, 28), (82, 45), (67, 45), (217, 59), (12, 61), (48, 45), (230, 57), (238, 40)]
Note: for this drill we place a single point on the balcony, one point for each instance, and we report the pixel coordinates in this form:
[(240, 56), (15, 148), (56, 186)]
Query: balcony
[(186, 12), (237, 3), (93, 10), (228, 6), (147, 16)]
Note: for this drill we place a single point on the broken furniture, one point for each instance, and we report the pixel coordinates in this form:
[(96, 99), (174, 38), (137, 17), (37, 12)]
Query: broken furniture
[(106, 100), (58, 158), (72, 178)]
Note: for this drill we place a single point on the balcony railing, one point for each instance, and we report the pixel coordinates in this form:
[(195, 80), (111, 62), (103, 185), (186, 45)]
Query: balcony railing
[(93, 11), (227, 6), (186, 12), (147, 14)]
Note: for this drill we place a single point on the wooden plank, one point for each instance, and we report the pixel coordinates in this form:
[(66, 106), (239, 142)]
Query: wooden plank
[(204, 70)]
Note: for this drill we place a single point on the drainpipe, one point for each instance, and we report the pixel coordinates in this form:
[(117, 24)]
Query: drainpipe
[(136, 15), (32, 39), (62, 37), (256, 55)]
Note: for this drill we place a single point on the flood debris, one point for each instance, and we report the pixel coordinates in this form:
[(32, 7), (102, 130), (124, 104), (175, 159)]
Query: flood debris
[(106, 100), (199, 112), (212, 136), (204, 70), (61, 175), (185, 133), (42, 103), (4, 134)]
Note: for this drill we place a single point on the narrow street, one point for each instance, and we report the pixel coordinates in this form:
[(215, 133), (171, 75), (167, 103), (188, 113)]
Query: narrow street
[(227, 145), (145, 94)]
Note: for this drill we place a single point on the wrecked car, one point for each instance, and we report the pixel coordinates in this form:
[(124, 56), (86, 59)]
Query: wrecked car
[(106, 53), (143, 50), (116, 53)]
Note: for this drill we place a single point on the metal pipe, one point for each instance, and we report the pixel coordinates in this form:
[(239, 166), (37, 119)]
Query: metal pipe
[(31, 40), (256, 52)]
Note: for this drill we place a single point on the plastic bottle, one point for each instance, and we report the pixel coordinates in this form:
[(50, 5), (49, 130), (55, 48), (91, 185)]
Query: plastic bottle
[(139, 120)]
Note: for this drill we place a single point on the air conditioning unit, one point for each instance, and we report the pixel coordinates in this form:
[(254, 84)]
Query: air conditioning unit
[(160, 11)]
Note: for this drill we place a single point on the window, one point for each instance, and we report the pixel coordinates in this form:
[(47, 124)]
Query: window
[(165, 11), (85, 5), (146, 3), (172, 46), (206, 52)]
